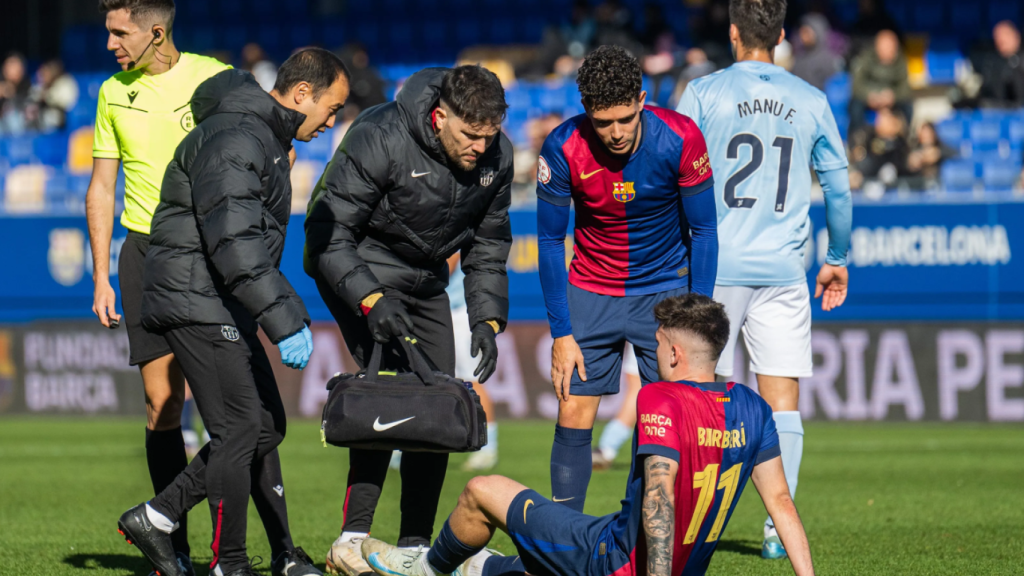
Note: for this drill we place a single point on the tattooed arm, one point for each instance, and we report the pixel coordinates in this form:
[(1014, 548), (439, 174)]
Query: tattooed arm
[(659, 513)]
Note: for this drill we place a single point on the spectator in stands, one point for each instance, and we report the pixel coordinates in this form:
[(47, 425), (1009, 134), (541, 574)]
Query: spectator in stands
[(697, 64), (367, 85), (880, 80), (14, 94), (254, 61), (872, 18), (815, 62), (927, 154), (55, 93), (563, 43), (878, 157), (1002, 70), (615, 26)]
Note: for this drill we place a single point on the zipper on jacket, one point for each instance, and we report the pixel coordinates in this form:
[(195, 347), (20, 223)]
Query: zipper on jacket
[(448, 218)]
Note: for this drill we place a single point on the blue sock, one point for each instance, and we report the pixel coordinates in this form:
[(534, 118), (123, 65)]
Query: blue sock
[(503, 566), (615, 434), (791, 444), (571, 466), (448, 552)]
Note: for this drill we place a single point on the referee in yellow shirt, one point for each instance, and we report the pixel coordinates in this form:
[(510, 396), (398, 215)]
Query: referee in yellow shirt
[(142, 116)]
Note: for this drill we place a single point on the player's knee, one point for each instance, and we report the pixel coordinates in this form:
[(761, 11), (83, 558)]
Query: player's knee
[(164, 411), (475, 491)]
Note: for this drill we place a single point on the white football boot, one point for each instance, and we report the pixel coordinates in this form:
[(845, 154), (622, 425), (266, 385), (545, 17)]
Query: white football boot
[(346, 558)]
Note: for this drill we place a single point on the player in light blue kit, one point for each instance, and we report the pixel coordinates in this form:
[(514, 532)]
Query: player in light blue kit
[(763, 127)]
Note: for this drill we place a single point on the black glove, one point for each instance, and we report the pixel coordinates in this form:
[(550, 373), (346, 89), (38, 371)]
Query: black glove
[(483, 343), (388, 319)]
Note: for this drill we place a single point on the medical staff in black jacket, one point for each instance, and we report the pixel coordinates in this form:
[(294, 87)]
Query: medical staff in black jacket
[(413, 182), (212, 278)]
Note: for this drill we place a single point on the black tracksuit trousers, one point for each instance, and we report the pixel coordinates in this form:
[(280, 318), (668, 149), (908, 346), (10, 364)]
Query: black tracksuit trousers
[(422, 472), (236, 394)]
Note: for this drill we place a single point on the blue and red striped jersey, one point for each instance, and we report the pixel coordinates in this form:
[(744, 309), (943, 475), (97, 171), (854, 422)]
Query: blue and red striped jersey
[(631, 233), (717, 432)]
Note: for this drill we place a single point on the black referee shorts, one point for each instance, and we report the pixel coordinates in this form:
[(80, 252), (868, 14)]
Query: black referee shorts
[(143, 346)]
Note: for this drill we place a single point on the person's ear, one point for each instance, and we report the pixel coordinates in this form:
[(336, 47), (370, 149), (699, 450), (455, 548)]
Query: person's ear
[(643, 98), (158, 35), (782, 36), (734, 34), (301, 92), (440, 117)]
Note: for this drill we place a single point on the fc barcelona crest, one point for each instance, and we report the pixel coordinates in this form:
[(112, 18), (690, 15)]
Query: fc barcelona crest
[(623, 191), (486, 176)]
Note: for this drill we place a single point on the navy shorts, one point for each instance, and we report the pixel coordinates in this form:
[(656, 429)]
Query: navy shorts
[(555, 540), (602, 325)]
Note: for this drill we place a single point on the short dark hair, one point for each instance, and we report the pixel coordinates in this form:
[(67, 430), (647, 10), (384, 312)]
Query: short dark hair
[(610, 76), (759, 22), (698, 315), (143, 12), (474, 94), (320, 68)]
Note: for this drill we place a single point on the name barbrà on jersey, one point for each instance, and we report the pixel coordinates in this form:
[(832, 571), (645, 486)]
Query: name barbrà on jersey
[(766, 106), (722, 438)]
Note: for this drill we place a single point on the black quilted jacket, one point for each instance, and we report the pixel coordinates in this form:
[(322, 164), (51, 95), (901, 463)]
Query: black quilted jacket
[(389, 211), (219, 230)]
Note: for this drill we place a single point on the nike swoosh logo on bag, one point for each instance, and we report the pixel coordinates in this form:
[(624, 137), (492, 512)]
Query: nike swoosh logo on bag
[(418, 174), (382, 427)]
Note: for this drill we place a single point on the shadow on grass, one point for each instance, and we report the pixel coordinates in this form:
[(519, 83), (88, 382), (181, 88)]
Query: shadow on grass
[(129, 562), (746, 547)]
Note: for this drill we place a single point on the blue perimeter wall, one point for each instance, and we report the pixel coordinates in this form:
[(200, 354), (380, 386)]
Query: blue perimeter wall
[(910, 261)]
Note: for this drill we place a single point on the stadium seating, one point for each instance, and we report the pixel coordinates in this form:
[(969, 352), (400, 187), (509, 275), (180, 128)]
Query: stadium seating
[(990, 144)]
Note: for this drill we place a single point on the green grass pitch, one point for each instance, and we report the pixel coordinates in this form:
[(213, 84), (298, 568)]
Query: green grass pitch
[(875, 498)]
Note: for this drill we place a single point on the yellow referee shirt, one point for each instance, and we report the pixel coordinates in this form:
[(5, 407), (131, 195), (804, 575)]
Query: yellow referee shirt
[(141, 120)]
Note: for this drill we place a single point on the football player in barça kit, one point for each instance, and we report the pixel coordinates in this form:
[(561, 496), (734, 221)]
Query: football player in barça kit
[(645, 230), (699, 441)]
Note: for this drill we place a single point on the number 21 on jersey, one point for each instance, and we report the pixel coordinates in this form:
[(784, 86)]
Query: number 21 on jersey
[(785, 146)]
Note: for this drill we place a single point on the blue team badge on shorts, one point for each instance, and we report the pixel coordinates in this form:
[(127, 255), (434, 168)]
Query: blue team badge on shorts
[(623, 191), (230, 333)]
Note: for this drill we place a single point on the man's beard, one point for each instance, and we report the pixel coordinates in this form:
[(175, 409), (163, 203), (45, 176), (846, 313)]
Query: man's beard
[(450, 147)]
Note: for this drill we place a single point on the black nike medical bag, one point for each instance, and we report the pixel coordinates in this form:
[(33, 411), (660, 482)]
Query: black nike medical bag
[(424, 410)]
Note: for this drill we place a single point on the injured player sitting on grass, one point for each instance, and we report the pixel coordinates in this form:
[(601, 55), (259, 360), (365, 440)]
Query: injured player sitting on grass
[(665, 527)]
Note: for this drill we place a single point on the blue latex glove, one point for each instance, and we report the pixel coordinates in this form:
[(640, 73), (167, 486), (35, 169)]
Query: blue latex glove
[(296, 349)]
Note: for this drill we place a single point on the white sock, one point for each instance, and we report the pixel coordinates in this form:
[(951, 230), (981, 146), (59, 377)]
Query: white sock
[(791, 444), (492, 437), (346, 536), (159, 521)]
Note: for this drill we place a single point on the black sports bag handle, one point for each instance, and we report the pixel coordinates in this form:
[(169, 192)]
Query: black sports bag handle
[(417, 361)]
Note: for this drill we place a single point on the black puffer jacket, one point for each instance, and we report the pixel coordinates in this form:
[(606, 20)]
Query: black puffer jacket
[(219, 229), (389, 210)]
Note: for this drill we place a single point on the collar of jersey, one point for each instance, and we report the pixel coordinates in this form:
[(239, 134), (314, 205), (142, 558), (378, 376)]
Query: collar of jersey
[(722, 387), (763, 66)]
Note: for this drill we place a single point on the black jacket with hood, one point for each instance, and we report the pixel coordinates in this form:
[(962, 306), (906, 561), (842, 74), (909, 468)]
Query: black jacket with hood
[(219, 230), (389, 209)]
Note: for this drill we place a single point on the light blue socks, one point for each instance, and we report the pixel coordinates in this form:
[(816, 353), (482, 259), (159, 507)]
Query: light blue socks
[(791, 443)]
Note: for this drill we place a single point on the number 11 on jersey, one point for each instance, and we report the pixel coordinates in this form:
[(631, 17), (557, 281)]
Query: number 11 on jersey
[(705, 481)]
